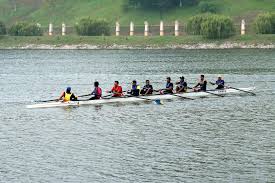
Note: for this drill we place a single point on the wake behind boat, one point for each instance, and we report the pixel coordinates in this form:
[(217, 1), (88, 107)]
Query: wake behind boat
[(122, 99)]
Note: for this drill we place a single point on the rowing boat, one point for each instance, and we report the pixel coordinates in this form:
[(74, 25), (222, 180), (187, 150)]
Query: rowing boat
[(143, 98)]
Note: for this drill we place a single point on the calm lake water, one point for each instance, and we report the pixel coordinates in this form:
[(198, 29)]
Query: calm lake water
[(230, 139)]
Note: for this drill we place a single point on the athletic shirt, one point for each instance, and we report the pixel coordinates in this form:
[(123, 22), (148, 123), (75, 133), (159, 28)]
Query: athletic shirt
[(146, 87), (183, 84), (97, 92), (135, 87), (203, 85), (135, 90), (220, 82), (67, 97), (117, 89), (169, 85)]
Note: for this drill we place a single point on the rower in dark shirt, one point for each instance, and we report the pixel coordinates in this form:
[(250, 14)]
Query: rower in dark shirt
[(182, 85), (219, 83), (202, 84), (169, 87), (147, 89), (135, 90)]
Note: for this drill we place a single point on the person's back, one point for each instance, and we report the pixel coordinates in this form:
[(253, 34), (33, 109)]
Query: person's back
[(97, 92), (67, 95)]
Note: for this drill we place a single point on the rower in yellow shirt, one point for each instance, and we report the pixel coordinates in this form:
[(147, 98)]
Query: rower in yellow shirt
[(68, 95)]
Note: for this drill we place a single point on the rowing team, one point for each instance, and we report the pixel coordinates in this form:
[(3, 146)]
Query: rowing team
[(146, 90)]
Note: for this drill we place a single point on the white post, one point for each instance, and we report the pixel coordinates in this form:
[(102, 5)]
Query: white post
[(161, 29), (243, 27), (63, 29), (146, 28), (176, 28), (132, 29), (50, 29), (117, 29)]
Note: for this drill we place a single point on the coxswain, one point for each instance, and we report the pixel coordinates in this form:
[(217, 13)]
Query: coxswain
[(202, 84), (219, 83), (147, 89), (181, 85), (67, 95), (97, 92), (135, 90), (169, 87), (117, 90)]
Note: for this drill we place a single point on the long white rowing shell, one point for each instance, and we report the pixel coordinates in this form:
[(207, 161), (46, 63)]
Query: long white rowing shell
[(137, 99)]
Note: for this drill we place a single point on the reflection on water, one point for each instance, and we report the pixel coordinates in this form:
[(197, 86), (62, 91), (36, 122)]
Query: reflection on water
[(228, 139)]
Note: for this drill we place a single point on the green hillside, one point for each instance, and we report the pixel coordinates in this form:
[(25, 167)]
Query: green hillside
[(69, 11)]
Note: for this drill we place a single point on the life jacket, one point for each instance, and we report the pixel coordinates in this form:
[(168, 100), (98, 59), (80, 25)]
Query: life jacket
[(117, 89), (98, 92), (135, 90), (67, 97)]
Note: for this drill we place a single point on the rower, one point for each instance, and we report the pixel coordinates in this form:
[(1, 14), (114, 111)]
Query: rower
[(219, 83), (68, 95), (169, 87), (135, 89), (202, 84), (182, 85), (97, 92), (117, 90), (147, 89)]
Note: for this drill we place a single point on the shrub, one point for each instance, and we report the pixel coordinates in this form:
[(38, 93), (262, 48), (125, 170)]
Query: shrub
[(91, 27), (208, 7), (194, 24), (2, 28), (265, 23), (217, 27), (25, 29), (160, 4)]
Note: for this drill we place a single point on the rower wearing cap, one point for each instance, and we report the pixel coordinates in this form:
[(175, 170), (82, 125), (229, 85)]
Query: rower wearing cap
[(147, 89), (202, 84), (135, 89), (182, 85), (97, 92), (67, 95), (219, 83), (169, 87), (117, 90)]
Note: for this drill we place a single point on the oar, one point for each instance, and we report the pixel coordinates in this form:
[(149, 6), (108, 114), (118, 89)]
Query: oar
[(254, 94), (86, 95), (52, 100), (187, 98)]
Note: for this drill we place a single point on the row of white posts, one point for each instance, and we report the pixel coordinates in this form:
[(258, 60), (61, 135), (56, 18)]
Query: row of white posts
[(146, 28)]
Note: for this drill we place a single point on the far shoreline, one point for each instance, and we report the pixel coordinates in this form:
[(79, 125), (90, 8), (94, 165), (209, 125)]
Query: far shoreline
[(134, 42)]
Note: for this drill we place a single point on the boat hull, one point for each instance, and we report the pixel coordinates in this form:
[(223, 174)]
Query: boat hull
[(141, 98)]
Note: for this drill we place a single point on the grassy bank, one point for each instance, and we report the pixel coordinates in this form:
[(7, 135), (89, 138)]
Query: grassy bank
[(70, 11), (135, 41)]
